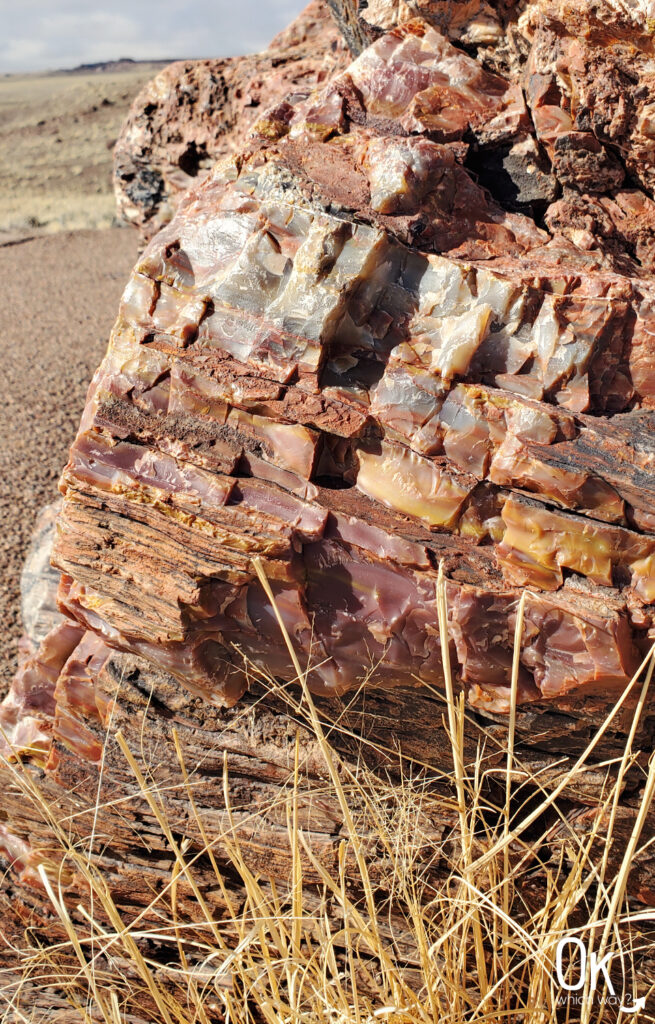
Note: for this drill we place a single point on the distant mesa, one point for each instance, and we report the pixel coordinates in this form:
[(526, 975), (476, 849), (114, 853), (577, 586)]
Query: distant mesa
[(122, 64)]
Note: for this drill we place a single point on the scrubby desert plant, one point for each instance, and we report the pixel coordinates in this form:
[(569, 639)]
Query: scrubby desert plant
[(357, 948)]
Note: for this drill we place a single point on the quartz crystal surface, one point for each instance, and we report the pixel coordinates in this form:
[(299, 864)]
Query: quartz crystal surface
[(396, 345), (343, 357)]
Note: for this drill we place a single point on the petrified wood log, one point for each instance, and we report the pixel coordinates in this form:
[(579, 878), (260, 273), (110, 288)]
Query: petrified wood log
[(348, 359), (83, 777), (196, 111), (344, 357)]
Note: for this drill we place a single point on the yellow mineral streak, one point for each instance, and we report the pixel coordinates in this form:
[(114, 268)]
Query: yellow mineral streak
[(643, 578), (538, 544), (411, 485), (289, 445)]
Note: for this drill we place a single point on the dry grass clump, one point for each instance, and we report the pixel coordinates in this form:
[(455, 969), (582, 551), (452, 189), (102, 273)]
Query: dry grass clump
[(360, 947)]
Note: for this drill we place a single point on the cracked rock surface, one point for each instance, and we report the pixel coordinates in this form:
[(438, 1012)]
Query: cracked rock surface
[(196, 111), (345, 357), (402, 331)]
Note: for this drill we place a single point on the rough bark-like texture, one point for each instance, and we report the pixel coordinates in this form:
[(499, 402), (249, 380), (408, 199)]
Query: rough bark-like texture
[(346, 357), (197, 111), (99, 692)]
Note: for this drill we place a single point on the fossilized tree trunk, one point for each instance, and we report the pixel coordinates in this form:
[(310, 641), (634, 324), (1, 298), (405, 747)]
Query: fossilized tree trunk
[(345, 357), (348, 359), (237, 764)]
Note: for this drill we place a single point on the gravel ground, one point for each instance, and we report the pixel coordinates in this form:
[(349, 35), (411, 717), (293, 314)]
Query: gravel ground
[(60, 295)]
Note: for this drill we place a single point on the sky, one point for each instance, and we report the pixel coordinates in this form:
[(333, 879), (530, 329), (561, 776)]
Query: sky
[(40, 35)]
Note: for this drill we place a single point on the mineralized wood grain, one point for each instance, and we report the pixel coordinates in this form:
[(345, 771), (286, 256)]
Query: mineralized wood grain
[(391, 734), (311, 366), (473, 22), (350, 359)]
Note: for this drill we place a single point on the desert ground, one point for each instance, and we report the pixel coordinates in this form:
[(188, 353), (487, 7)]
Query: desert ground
[(56, 137), (63, 267)]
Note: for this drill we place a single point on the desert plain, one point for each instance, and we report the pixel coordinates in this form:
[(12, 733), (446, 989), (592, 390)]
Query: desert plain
[(63, 265)]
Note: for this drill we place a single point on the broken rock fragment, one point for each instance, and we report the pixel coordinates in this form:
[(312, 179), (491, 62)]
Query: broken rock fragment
[(196, 111), (397, 343), (346, 358)]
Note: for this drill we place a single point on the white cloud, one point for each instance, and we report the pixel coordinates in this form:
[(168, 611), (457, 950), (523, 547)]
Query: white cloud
[(46, 34)]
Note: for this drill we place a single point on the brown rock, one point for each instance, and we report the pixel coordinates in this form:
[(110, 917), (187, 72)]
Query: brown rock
[(288, 380), (195, 112), (589, 80), (474, 22), (620, 223), (346, 363)]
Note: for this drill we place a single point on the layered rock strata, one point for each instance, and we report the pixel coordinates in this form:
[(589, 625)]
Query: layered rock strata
[(345, 358), (407, 327), (62, 720)]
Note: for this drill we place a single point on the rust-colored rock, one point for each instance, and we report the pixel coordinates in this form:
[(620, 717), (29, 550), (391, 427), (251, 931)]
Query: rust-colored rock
[(344, 357), (196, 111), (363, 361), (474, 23)]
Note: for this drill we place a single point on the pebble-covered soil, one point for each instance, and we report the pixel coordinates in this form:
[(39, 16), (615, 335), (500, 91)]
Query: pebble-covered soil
[(56, 137), (60, 294)]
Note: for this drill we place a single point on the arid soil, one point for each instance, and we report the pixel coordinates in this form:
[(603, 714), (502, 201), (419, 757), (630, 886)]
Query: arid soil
[(60, 286), (60, 295), (56, 138)]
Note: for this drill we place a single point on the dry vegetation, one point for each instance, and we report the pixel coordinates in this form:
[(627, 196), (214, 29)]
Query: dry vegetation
[(474, 950), (56, 136)]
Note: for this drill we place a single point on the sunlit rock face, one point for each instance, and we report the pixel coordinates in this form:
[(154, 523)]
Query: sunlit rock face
[(197, 111), (345, 357)]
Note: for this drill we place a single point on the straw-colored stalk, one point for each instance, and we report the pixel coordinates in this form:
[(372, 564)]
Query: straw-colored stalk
[(324, 954)]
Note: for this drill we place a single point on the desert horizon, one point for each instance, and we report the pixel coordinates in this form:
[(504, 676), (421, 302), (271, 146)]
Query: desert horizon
[(57, 132)]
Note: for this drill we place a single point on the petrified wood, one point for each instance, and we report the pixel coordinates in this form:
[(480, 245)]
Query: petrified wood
[(84, 778), (474, 23), (39, 582), (343, 356), (362, 357), (196, 111)]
